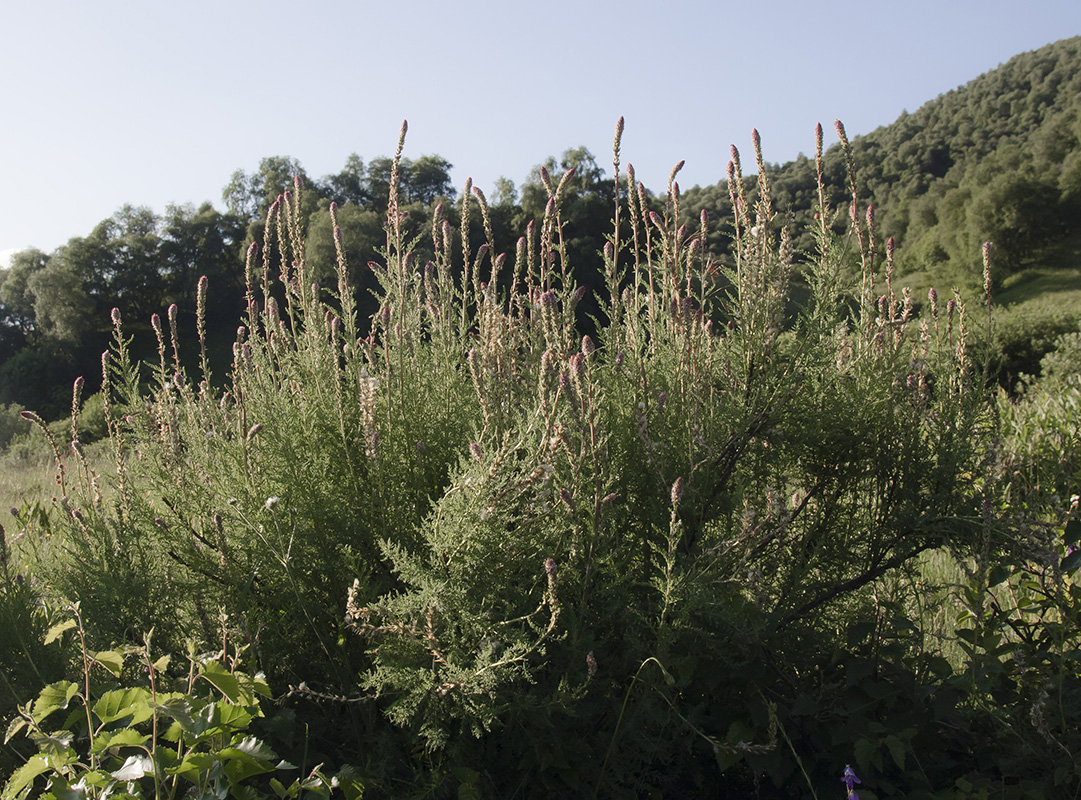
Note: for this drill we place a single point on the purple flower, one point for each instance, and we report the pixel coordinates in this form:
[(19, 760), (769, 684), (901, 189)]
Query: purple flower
[(848, 780)]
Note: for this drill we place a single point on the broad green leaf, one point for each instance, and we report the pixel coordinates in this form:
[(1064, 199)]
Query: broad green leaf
[(193, 765), (25, 775), (112, 660), (57, 630), (897, 750), (52, 698), (125, 737), (57, 747), (97, 777), (240, 766), (235, 717), (255, 747), (162, 663), (864, 749), (1072, 561), (222, 680), (176, 707), (61, 789), (135, 768), (350, 783), (16, 725), (120, 703)]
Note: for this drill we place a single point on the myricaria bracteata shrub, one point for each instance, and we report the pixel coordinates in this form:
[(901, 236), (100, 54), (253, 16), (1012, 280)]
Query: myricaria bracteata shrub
[(617, 562)]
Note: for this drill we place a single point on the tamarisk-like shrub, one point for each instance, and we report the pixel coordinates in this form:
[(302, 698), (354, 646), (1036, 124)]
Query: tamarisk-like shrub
[(613, 563)]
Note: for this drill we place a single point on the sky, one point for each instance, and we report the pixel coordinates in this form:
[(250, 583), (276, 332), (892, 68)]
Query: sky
[(151, 103)]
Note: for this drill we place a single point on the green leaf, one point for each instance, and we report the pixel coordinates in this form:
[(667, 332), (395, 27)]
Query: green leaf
[(240, 765), (897, 750), (1072, 561), (864, 749), (192, 765), (235, 717), (16, 725), (252, 746), (24, 776), (350, 784), (52, 698), (135, 768), (57, 747), (162, 663), (112, 660), (176, 707), (120, 703), (57, 630), (125, 737), (222, 680)]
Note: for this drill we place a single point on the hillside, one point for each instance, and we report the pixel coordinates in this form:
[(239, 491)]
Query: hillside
[(998, 159)]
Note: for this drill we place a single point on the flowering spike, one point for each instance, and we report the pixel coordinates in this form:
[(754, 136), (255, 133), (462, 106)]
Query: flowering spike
[(677, 491)]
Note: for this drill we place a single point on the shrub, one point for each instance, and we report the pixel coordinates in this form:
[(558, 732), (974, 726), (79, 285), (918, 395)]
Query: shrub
[(631, 563)]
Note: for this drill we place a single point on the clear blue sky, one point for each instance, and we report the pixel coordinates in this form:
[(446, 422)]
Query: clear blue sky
[(150, 103)]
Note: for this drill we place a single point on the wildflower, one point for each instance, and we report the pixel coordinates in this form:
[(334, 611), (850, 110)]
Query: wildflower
[(271, 502), (591, 664), (848, 780), (475, 450)]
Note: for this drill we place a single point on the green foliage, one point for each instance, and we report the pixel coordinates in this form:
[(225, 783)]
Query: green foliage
[(1022, 337), (176, 735), (25, 664)]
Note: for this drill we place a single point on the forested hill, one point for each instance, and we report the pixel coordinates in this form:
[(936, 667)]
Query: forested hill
[(998, 159)]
